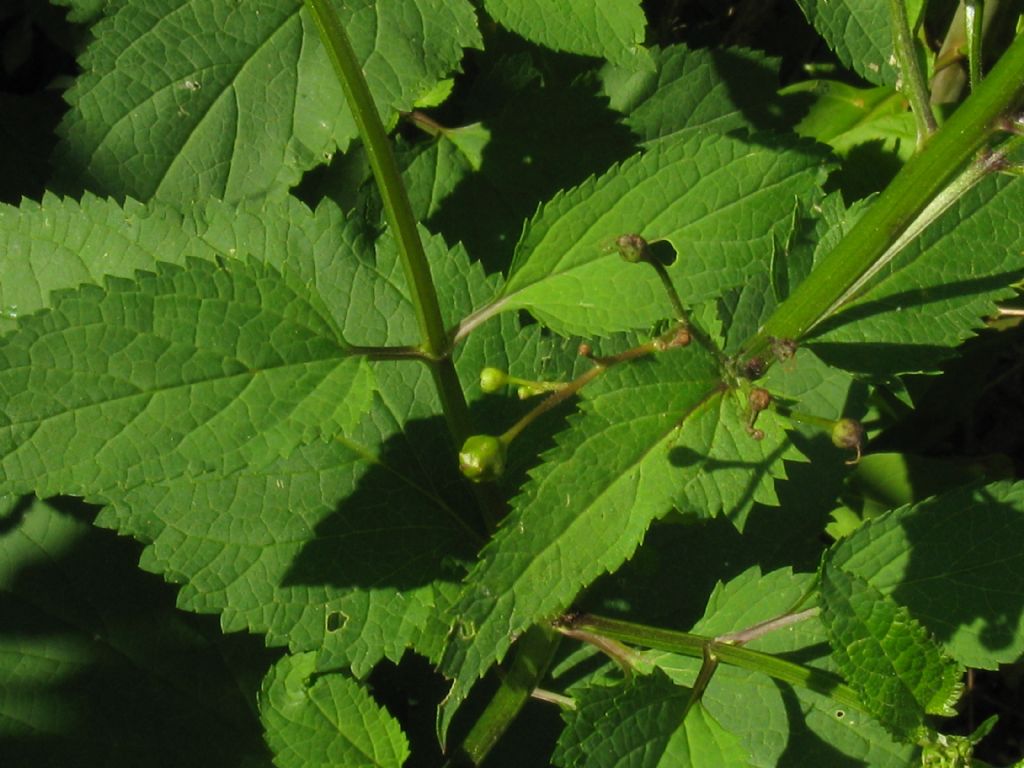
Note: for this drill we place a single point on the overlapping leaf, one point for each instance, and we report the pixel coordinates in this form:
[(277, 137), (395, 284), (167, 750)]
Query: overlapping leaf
[(709, 90), (185, 99), (346, 546), (647, 720), (647, 438), (716, 199), (181, 371), (936, 291), (772, 720), (613, 30), (954, 561), (326, 720), (899, 672), (860, 33)]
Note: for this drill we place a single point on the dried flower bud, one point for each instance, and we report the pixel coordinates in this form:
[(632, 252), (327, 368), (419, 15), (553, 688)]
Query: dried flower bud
[(759, 399), (632, 248), (754, 368), (783, 349), (482, 458)]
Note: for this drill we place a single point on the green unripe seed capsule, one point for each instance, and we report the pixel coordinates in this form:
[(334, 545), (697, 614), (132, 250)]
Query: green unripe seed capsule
[(492, 379), (482, 458)]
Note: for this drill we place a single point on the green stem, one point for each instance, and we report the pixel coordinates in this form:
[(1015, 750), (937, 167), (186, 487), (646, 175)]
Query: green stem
[(974, 11), (536, 650), (914, 86), (915, 186), (687, 644), (676, 337), (434, 342), (397, 209)]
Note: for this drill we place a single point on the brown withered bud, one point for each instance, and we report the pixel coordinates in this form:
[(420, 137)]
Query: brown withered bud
[(759, 399), (632, 248)]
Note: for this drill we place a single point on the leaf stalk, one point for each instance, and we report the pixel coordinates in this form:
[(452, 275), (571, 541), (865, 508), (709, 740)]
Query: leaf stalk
[(914, 86)]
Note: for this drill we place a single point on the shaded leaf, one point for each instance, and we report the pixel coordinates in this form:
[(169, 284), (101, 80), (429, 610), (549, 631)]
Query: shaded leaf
[(897, 669), (613, 29), (870, 128), (325, 720), (96, 661), (860, 33), (955, 562), (709, 90)]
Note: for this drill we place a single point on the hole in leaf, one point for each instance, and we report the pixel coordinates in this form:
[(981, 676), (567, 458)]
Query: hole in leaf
[(663, 252), (840, 714), (336, 620)]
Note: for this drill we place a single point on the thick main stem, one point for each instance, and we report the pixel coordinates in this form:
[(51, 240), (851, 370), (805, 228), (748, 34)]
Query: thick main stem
[(920, 180), (434, 341)]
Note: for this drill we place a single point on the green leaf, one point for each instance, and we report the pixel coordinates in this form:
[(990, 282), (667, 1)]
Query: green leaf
[(181, 371), (646, 438), (648, 721), (779, 725), (897, 669), (933, 294), (436, 171), (715, 199), (244, 99), (325, 720), (333, 549), (60, 244), (954, 561), (613, 29), (870, 128), (96, 662), (774, 722), (753, 597), (860, 33), (709, 90)]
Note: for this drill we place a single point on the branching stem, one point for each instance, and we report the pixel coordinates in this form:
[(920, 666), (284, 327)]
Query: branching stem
[(924, 176), (677, 337), (687, 644), (434, 341)]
